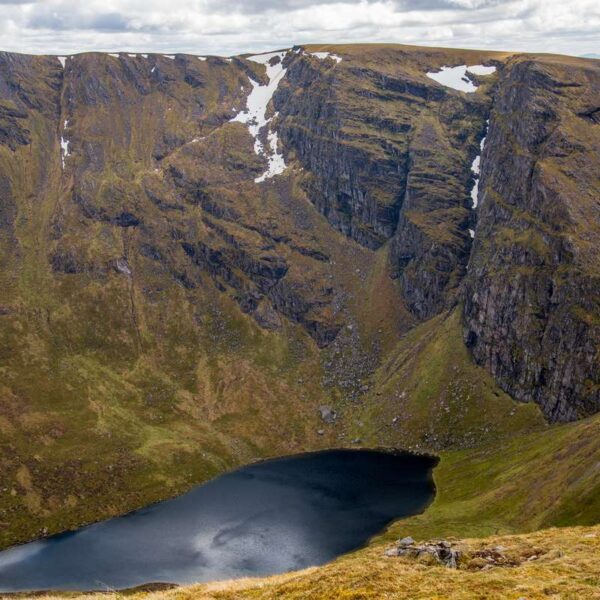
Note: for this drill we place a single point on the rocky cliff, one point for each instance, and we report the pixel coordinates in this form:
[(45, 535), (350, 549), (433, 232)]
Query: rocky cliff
[(532, 295), (388, 153)]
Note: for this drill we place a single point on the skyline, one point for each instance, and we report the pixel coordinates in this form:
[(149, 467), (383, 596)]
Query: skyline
[(230, 27)]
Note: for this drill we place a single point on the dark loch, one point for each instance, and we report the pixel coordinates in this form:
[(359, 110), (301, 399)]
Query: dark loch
[(269, 517)]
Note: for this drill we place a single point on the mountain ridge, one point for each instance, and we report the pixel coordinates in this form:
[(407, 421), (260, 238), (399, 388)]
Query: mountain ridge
[(165, 317)]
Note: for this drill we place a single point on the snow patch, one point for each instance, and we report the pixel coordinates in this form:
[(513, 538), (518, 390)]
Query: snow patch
[(276, 160), (171, 56), (472, 233), (476, 168), (64, 144), (113, 55), (323, 55), (132, 55), (256, 110), (201, 57), (456, 77), (481, 70), (144, 55), (64, 150), (62, 60), (153, 69)]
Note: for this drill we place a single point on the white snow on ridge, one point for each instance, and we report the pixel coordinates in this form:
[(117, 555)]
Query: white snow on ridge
[(201, 58), (255, 115), (62, 60), (481, 70), (456, 77), (322, 55)]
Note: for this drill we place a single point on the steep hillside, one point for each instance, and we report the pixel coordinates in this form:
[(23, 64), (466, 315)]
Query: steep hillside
[(204, 261)]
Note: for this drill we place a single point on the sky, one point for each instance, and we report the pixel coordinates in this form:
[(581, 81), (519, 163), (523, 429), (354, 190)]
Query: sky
[(228, 27)]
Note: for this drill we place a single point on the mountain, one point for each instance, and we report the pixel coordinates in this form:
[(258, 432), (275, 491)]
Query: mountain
[(204, 261)]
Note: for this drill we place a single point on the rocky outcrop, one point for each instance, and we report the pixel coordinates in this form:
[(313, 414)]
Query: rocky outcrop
[(440, 551), (532, 295), (468, 556)]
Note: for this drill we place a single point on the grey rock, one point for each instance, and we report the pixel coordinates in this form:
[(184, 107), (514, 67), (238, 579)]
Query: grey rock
[(328, 414), (441, 550)]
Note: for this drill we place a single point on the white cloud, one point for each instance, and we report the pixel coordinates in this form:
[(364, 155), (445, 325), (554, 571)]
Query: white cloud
[(234, 26)]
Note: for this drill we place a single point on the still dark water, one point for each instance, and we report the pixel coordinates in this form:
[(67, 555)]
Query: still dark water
[(266, 518)]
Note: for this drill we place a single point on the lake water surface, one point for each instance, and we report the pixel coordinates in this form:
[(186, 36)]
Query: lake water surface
[(266, 518)]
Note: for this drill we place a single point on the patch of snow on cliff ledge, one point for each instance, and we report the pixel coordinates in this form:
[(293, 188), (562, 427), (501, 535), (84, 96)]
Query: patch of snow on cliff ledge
[(456, 77), (255, 115), (64, 145), (476, 168), (322, 55)]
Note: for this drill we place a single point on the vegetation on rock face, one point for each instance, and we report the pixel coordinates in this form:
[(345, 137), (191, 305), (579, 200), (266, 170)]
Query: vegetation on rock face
[(164, 318)]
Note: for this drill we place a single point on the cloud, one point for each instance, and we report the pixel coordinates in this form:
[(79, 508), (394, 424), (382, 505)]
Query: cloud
[(64, 21), (235, 26), (266, 6)]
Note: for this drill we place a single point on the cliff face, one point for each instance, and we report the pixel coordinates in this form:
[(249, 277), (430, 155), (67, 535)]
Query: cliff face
[(532, 295), (387, 152)]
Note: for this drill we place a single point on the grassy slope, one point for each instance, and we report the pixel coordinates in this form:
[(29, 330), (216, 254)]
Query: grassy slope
[(536, 479), (429, 394)]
